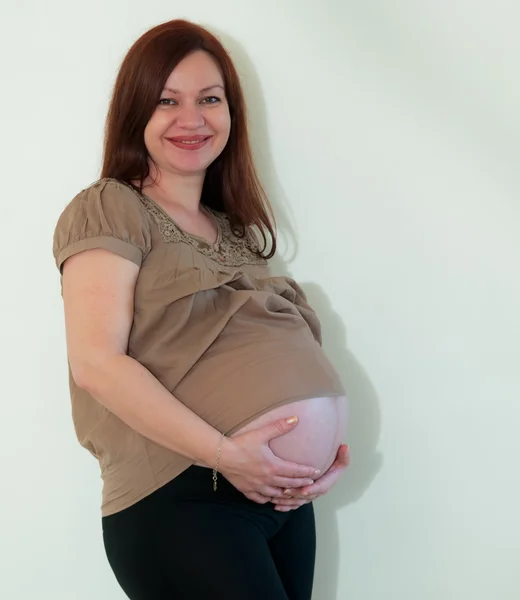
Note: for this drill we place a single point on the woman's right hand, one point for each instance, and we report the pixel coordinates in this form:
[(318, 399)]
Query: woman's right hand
[(250, 465)]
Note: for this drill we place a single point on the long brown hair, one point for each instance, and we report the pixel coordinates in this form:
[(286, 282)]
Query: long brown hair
[(231, 184)]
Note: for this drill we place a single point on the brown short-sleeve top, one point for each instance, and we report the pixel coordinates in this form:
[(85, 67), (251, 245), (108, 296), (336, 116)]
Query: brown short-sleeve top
[(210, 323)]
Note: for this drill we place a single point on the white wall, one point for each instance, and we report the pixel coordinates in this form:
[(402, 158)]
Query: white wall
[(387, 134)]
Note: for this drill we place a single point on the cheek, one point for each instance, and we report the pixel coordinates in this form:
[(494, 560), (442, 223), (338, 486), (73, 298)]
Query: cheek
[(149, 137), (222, 124), (153, 131)]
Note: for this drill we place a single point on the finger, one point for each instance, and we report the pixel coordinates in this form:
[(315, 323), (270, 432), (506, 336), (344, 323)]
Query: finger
[(271, 491), (293, 502), (292, 470), (343, 456), (298, 494), (329, 479), (292, 483), (258, 498), (286, 508), (277, 428), (323, 485)]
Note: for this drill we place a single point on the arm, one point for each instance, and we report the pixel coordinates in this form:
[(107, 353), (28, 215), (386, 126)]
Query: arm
[(98, 292)]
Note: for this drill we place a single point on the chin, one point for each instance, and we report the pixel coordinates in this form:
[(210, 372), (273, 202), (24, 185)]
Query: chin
[(190, 169), (186, 163), (193, 164)]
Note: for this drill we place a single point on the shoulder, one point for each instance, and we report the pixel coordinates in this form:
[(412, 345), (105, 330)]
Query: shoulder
[(107, 195), (106, 204), (105, 209)]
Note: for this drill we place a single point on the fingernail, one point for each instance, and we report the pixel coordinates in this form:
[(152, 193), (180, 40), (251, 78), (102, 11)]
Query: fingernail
[(288, 492), (305, 494), (348, 447), (291, 420), (311, 481), (317, 472)]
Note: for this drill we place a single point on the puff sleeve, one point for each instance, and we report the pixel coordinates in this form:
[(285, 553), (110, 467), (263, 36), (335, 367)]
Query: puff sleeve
[(106, 215)]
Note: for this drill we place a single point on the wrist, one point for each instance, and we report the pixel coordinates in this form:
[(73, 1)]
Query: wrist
[(228, 454)]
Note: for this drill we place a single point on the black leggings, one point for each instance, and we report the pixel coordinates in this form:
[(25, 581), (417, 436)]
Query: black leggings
[(187, 542)]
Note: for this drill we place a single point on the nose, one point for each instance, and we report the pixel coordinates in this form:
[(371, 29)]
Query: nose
[(190, 116)]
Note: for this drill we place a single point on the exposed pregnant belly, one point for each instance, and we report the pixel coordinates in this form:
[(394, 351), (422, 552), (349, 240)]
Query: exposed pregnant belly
[(314, 441)]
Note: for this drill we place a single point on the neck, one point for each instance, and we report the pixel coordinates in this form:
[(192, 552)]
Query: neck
[(174, 189)]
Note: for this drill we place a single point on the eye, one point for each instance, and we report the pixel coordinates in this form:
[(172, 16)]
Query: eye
[(210, 100), (167, 101)]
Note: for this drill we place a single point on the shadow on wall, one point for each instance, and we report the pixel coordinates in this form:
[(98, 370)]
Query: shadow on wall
[(364, 410), (362, 437)]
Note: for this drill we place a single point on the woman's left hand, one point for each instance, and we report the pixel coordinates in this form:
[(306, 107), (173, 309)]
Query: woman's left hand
[(298, 497)]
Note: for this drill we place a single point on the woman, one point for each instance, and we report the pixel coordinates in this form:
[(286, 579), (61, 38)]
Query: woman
[(187, 359)]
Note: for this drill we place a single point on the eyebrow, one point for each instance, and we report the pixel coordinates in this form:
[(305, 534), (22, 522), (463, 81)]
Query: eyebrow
[(206, 89)]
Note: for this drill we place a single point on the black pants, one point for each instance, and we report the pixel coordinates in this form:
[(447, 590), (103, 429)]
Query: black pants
[(187, 542)]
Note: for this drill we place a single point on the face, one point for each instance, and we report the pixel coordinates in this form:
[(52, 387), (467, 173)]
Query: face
[(191, 123)]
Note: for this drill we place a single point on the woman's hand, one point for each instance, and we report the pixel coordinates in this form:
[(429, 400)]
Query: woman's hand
[(294, 498), (250, 465)]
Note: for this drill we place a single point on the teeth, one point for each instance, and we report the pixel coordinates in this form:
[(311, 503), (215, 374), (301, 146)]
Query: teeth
[(192, 142)]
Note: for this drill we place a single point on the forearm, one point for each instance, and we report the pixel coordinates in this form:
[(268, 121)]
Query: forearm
[(133, 394)]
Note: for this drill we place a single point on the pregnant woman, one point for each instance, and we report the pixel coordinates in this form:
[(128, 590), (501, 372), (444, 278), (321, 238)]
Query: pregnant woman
[(197, 377)]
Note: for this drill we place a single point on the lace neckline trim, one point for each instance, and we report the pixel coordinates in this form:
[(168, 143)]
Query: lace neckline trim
[(228, 250)]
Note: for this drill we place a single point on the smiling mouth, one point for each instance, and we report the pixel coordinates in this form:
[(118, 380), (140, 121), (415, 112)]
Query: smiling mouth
[(190, 142)]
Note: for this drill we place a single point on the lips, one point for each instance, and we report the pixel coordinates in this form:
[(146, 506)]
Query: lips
[(190, 142)]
